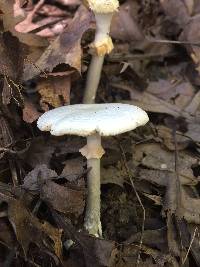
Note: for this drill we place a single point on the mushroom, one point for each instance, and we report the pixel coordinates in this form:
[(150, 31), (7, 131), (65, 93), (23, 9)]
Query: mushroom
[(92, 121), (103, 11)]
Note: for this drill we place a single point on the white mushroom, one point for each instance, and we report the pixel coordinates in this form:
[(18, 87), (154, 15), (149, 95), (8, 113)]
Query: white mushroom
[(103, 11), (93, 121)]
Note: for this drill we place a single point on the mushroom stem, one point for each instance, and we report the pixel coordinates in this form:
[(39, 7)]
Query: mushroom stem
[(102, 45), (92, 217), (93, 78), (93, 151)]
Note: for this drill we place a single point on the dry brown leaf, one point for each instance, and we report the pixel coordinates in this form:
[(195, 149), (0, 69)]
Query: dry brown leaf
[(180, 12), (30, 113), (128, 257), (189, 208), (181, 204), (29, 229), (66, 199), (91, 251), (112, 175), (66, 48), (176, 10), (165, 134), (191, 34), (40, 152), (124, 27), (152, 103), (186, 104), (181, 92), (12, 55), (54, 91), (193, 131), (73, 169), (152, 238), (9, 22), (160, 164), (35, 178)]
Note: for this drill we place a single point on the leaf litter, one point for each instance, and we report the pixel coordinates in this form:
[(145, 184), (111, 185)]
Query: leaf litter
[(150, 177)]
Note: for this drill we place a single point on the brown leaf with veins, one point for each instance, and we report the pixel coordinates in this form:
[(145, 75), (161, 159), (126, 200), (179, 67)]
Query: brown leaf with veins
[(12, 55), (54, 91), (65, 49), (29, 229), (66, 199)]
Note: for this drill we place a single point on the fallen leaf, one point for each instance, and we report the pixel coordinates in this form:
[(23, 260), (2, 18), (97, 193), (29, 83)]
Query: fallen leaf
[(9, 22), (35, 178), (189, 208), (96, 252), (40, 152), (73, 169), (124, 27), (29, 229), (12, 54), (152, 238), (153, 157), (176, 10), (30, 113), (181, 92), (152, 103), (54, 91), (112, 175), (167, 138), (66, 199), (65, 49), (191, 34)]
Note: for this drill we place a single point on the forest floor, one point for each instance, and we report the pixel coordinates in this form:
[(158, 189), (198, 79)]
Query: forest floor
[(150, 193)]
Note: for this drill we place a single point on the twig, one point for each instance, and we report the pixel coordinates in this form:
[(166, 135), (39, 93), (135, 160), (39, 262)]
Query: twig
[(139, 200), (13, 172), (172, 41), (178, 187), (191, 242)]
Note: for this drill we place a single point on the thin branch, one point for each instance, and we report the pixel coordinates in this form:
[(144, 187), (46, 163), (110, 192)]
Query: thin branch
[(191, 242)]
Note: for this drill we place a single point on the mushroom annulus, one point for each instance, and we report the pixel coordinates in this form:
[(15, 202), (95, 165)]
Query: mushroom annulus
[(92, 121), (102, 45)]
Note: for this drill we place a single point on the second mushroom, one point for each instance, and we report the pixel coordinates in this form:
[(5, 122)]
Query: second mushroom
[(93, 121)]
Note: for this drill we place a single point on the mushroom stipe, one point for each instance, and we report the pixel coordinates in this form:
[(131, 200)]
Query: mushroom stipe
[(102, 45), (93, 121)]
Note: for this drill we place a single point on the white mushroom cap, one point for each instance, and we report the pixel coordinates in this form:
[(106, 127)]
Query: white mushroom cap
[(103, 6), (87, 119)]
